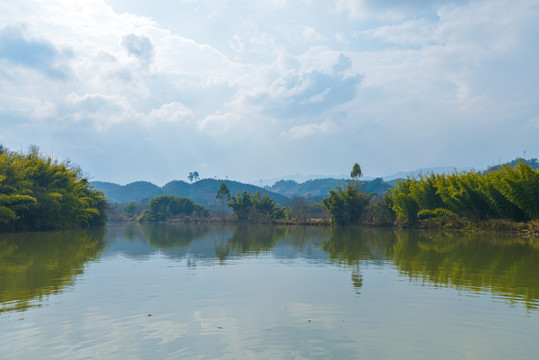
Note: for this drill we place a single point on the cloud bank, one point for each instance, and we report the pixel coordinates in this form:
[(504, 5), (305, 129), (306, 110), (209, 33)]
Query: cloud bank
[(261, 90)]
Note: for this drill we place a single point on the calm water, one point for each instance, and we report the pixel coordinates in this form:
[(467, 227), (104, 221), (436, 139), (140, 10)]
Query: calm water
[(261, 292)]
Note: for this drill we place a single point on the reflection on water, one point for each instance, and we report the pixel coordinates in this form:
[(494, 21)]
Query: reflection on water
[(226, 291), (507, 266), (34, 266)]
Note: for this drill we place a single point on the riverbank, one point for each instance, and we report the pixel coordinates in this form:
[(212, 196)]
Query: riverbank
[(530, 228)]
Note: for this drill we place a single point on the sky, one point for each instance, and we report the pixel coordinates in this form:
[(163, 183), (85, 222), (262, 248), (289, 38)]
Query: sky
[(152, 90)]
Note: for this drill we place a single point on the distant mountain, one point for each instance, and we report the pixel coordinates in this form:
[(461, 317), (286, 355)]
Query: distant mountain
[(281, 189), (533, 162), (321, 187), (423, 171), (202, 191), (135, 191), (298, 178)]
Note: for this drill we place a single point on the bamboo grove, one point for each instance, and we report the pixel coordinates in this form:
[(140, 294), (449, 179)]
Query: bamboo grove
[(38, 193), (510, 193)]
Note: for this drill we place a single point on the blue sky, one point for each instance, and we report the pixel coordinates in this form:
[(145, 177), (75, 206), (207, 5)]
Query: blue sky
[(139, 90)]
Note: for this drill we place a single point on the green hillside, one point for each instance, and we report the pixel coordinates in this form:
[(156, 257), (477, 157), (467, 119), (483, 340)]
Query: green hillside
[(321, 187), (136, 191), (202, 191)]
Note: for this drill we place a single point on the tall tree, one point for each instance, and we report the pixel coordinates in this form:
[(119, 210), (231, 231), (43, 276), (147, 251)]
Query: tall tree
[(223, 195), (356, 173)]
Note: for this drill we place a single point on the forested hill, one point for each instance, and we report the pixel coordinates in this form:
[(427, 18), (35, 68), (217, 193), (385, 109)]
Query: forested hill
[(202, 191), (319, 188), (533, 162)]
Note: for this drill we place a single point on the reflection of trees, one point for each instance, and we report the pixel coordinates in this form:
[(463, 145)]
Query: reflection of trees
[(301, 237), (36, 265), (255, 238), (506, 266), (166, 236), (349, 246)]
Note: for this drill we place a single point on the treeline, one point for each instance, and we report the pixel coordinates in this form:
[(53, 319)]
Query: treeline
[(40, 193), (246, 207), (497, 199), (504, 196)]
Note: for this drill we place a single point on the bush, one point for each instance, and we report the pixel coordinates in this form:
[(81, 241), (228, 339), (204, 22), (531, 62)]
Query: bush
[(164, 207), (346, 207), (38, 193)]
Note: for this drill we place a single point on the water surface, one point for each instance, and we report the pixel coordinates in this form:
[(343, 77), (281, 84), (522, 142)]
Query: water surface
[(266, 292)]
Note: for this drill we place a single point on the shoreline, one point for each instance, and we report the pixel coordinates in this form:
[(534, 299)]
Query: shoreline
[(529, 229)]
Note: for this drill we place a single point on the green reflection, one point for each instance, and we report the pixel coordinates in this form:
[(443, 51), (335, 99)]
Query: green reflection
[(505, 265), (255, 238), (36, 265), (349, 246), (174, 236)]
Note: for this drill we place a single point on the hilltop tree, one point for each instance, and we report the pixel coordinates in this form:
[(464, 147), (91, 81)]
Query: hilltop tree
[(193, 176), (356, 173)]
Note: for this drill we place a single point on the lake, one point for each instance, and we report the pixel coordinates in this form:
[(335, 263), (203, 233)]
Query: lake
[(267, 292)]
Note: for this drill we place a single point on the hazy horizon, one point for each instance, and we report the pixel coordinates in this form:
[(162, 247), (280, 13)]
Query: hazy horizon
[(132, 90)]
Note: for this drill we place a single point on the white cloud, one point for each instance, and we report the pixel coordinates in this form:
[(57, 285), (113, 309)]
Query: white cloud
[(177, 55), (410, 32), (302, 131), (173, 112), (104, 111), (28, 107), (351, 71), (218, 124)]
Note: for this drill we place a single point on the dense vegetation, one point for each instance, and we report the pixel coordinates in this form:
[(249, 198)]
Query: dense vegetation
[(347, 206), (497, 198), (510, 193), (38, 193), (165, 207), (256, 208)]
